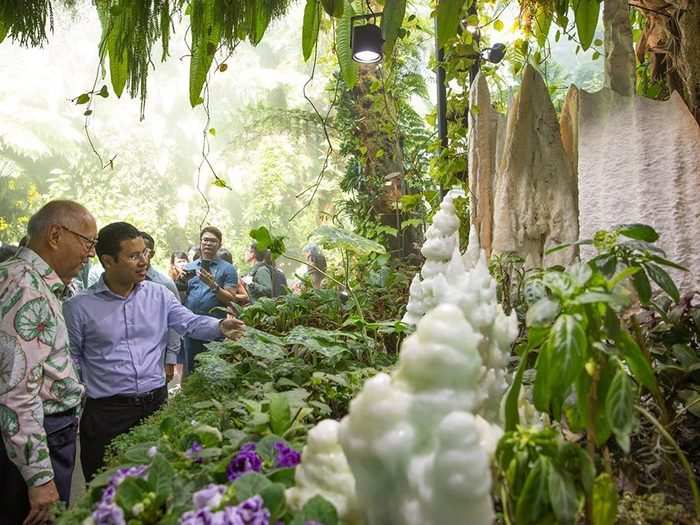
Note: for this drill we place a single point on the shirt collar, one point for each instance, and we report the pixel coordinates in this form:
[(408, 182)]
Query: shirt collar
[(101, 287), (50, 277)]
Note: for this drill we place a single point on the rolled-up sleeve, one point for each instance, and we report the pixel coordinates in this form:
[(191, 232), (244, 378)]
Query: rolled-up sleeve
[(187, 324)]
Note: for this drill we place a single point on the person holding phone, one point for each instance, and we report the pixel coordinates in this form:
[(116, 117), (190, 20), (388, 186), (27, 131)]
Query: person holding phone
[(211, 289)]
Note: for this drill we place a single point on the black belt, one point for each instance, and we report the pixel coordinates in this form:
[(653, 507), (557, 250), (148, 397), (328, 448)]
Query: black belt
[(138, 399)]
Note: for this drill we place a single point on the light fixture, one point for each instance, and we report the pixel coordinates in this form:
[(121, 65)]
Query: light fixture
[(366, 40), (495, 53)]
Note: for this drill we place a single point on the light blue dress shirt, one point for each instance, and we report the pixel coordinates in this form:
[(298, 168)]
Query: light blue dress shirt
[(119, 343), (200, 298), (174, 340)]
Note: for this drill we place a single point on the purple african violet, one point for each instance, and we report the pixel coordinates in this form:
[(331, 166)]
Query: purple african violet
[(287, 457), (247, 460), (193, 452), (209, 497)]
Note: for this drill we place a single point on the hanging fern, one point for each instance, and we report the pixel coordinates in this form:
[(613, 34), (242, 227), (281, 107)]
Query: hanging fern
[(348, 67), (25, 21)]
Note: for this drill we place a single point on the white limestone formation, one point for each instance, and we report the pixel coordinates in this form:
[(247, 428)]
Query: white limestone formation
[(535, 199)]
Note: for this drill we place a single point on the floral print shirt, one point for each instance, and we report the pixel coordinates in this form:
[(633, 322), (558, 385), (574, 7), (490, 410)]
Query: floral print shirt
[(37, 375)]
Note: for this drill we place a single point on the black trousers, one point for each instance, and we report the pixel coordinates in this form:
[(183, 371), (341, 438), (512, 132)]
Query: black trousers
[(106, 418), (60, 430)]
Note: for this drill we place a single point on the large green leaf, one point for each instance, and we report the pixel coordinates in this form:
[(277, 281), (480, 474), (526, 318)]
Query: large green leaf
[(280, 414), (161, 476), (604, 500), (619, 408), (534, 499), (118, 58), (4, 29), (543, 19), (394, 11), (513, 395), (637, 361), (562, 494), (250, 484), (640, 232), (206, 33), (261, 13), (641, 284), (448, 12), (335, 8), (309, 34), (586, 12), (349, 69), (542, 391), (569, 344), (663, 279), (336, 238)]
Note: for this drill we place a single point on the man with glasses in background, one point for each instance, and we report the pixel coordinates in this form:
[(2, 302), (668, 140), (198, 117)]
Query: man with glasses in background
[(118, 332), (213, 284), (40, 394), (174, 340)]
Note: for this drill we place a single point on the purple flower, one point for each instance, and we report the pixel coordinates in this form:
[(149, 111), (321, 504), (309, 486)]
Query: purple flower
[(249, 512), (108, 514), (209, 497), (286, 457), (193, 452), (312, 523), (247, 460), (202, 517)]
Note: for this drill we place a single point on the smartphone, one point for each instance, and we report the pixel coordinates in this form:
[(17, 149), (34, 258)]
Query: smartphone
[(206, 265)]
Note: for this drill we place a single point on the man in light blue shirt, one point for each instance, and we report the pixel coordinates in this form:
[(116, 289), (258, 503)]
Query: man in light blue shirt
[(172, 354), (118, 332), (214, 284)]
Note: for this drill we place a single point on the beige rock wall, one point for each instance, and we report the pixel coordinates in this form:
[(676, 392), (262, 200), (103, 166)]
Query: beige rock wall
[(639, 161), (535, 196)]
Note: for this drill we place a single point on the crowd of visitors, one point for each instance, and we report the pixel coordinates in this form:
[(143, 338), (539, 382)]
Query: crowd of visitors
[(93, 346)]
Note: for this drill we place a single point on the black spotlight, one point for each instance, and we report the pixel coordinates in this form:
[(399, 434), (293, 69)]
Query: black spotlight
[(366, 41), (495, 53)]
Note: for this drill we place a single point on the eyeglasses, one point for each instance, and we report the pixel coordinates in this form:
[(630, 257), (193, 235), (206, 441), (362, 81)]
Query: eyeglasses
[(136, 257), (90, 242), (209, 240)]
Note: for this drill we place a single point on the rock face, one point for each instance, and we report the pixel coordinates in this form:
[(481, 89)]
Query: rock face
[(620, 61), (484, 124), (639, 161), (535, 198)]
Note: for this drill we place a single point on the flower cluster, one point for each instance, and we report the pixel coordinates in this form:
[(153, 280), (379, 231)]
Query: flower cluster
[(193, 452), (246, 460), (107, 512), (249, 512), (286, 457)]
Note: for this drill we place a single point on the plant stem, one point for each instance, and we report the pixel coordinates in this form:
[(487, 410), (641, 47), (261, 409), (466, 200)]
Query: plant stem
[(681, 456), (347, 287), (590, 433)]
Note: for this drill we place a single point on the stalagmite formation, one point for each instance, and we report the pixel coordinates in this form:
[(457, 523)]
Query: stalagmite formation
[(620, 61), (483, 138), (534, 202), (442, 239), (639, 161)]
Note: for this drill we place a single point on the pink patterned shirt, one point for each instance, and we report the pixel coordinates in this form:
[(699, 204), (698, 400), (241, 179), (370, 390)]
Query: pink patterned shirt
[(37, 375)]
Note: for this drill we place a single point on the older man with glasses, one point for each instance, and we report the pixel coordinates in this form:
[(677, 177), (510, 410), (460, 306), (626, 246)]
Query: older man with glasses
[(40, 394), (118, 333)]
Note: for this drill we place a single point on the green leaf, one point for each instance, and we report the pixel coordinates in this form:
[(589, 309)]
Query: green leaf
[(619, 408), (622, 275), (543, 19), (448, 12), (331, 237), (260, 16), (250, 484), (320, 510), (663, 279), (132, 491), (334, 8), (84, 98), (349, 69), (161, 476), (117, 52), (562, 494), (309, 34), (637, 362), (586, 12), (541, 393), (566, 245), (280, 414), (498, 25), (206, 33), (394, 11), (273, 496), (513, 395), (542, 312), (533, 502), (640, 232), (604, 500), (666, 262), (568, 343), (641, 284)]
